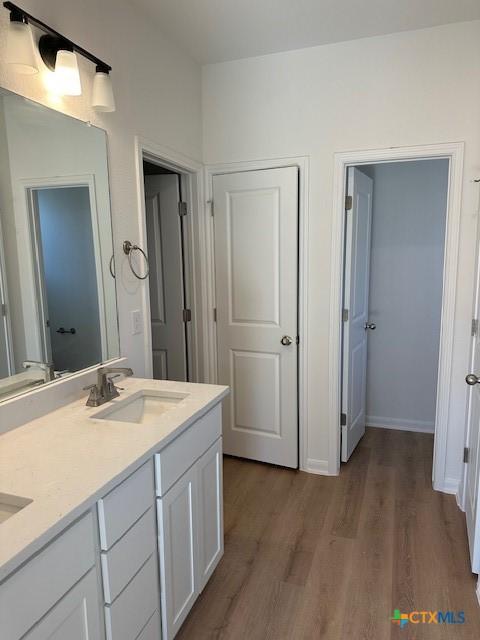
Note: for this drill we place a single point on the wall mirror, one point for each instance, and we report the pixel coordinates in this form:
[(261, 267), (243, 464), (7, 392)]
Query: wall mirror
[(58, 310)]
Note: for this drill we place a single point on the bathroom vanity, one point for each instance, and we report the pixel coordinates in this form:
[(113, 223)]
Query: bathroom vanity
[(111, 517)]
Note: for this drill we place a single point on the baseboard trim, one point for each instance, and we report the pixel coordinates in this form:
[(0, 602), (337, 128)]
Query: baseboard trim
[(320, 467), (448, 485), (400, 425)]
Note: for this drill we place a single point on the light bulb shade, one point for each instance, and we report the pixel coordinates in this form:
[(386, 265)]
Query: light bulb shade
[(102, 95), (67, 74), (20, 52)]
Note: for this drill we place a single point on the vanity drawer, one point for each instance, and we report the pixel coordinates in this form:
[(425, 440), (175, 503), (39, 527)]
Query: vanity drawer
[(76, 616), (152, 630), (124, 505), (32, 590), (127, 555), (130, 612), (179, 455)]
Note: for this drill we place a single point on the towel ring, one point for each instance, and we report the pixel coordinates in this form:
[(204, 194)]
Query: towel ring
[(128, 250)]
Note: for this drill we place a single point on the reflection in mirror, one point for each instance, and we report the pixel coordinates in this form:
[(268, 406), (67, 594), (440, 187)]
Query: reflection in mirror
[(58, 306)]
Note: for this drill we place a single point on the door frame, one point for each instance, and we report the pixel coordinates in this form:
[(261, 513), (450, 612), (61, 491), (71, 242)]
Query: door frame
[(191, 181), (462, 491), (30, 186), (5, 320), (302, 164), (453, 152)]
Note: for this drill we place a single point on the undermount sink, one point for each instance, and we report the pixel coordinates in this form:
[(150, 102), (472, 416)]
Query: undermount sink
[(143, 407), (10, 505)]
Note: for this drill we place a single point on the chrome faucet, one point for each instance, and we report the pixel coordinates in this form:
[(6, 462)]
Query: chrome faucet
[(105, 389), (47, 367)]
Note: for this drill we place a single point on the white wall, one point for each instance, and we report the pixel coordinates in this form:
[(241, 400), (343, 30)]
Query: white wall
[(406, 269), (410, 88), (157, 92)]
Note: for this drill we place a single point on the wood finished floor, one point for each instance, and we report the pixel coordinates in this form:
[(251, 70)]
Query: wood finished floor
[(310, 557)]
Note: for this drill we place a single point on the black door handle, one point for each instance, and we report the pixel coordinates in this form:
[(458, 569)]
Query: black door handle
[(62, 330)]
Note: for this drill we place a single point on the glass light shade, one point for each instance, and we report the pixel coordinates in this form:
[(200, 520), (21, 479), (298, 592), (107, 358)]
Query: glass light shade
[(67, 74), (20, 52), (102, 95)]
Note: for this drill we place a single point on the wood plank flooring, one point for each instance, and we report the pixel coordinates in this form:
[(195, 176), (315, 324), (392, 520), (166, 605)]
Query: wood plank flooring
[(310, 557)]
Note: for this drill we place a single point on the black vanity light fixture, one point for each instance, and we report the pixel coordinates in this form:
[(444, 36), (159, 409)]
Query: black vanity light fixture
[(59, 55)]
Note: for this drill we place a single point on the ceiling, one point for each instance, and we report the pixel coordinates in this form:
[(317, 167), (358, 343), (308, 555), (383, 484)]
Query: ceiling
[(220, 30)]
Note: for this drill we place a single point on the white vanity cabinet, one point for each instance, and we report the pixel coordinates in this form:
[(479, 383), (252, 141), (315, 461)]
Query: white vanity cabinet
[(180, 550), (210, 512), (133, 565), (177, 540), (56, 594), (76, 616), (190, 519), (128, 541)]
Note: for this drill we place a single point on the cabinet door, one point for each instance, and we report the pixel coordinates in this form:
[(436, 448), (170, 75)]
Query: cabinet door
[(210, 512), (76, 616), (178, 552)]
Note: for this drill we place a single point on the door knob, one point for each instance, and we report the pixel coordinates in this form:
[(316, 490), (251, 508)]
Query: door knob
[(370, 325), (286, 340), (472, 379)]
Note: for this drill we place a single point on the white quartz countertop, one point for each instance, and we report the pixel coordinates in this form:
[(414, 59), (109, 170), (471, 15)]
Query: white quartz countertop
[(64, 461)]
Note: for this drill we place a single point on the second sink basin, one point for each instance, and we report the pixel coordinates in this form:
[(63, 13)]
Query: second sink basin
[(10, 505), (142, 407)]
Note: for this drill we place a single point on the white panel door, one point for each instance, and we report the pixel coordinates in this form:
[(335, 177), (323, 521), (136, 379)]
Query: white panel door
[(210, 512), (472, 471), (256, 273), (355, 331), (178, 552), (164, 243)]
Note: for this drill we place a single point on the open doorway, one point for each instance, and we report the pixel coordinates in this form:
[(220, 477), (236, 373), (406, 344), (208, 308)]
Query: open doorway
[(168, 244), (68, 276), (395, 230)]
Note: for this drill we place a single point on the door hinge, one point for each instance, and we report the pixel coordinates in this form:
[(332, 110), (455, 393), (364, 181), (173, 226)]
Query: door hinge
[(348, 203), (343, 419), (187, 315), (297, 339), (466, 454), (215, 315), (182, 209), (3, 309), (210, 202), (345, 315), (474, 327)]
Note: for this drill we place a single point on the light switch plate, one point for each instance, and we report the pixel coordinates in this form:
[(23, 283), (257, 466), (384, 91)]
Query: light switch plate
[(137, 322)]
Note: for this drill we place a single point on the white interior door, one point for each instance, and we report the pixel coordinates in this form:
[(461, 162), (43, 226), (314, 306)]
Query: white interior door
[(256, 273), (355, 331), (165, 251), (472, 470)]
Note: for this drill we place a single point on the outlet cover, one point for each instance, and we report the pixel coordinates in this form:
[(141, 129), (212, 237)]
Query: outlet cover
[(137, 323)]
